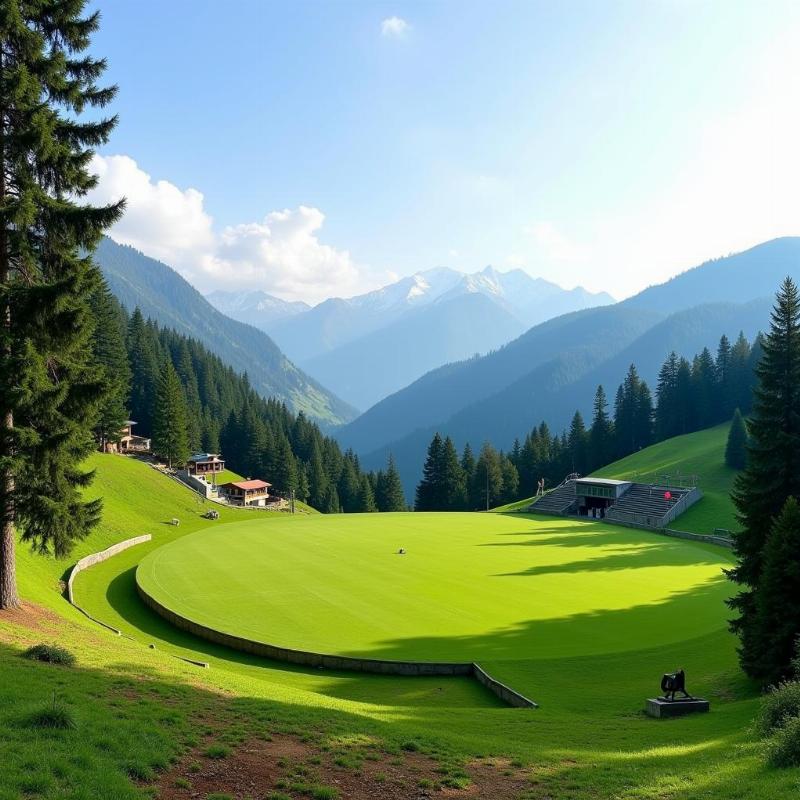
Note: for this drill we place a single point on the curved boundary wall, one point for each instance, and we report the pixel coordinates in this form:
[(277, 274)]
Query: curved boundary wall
[(320, 660), (97, 558)]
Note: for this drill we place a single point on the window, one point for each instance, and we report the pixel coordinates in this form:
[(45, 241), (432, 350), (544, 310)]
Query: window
[(606, 492)]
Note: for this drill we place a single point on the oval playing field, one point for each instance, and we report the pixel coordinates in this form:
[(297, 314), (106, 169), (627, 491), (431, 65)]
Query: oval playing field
[(469, 586)]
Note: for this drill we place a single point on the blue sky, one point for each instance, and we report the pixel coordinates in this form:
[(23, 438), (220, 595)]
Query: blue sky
[(317, 149)]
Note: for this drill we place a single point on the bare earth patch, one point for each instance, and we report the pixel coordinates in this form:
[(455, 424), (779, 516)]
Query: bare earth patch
[(33, 618), (289, 767)]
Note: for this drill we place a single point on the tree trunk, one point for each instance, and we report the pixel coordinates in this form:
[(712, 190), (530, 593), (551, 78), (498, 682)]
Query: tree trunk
[(8, 535), (8, 567)]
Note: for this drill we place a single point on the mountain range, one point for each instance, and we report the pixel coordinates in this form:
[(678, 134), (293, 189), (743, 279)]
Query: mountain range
[(164, 296), (554, 368), (364, 348)]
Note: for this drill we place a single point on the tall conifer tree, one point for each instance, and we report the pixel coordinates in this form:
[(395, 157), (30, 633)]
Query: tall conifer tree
[(170, 433), (736, 447), (390, 495), (108, 348), (49, 389), (777, 602), (601, 434), (428, 494), (773, 469)]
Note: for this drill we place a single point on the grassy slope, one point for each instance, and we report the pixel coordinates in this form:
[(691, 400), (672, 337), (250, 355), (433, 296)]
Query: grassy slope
[(136, 707), (701, 454)]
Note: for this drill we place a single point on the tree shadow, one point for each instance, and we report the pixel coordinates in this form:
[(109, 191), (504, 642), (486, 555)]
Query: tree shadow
[(137, 713), (618, 559), (582, 634), (123, 597)]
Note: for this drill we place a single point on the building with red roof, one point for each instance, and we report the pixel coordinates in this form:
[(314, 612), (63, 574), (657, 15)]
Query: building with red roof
[(246, 493)]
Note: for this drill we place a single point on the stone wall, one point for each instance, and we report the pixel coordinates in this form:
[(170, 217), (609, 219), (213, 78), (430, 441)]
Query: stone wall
[(505, 693), (348, 663), (103, 555)]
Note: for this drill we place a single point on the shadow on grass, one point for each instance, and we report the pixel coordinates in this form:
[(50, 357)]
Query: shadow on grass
[(674, 619), (133, 718), (375, 689)]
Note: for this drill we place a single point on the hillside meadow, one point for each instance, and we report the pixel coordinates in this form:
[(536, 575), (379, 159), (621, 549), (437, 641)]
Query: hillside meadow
[(150, 724)]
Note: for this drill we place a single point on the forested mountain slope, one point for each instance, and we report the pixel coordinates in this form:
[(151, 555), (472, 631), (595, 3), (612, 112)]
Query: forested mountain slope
[(567, 345), (556, 389), (164, 296), (478, 400)]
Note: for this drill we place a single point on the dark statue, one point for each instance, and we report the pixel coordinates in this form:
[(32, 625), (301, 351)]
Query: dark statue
[(674, 682)]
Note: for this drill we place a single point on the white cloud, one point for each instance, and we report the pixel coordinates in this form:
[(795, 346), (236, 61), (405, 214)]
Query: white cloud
[(160, 219), (282, 254), (394, 27)]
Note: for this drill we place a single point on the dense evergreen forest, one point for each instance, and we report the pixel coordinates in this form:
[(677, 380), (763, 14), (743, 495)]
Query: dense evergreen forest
[(689, 396), (188, 400)]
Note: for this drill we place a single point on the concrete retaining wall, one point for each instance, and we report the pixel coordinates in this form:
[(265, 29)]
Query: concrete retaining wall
[(197, 484), (347, 663), (505, 693), (103, 555), (695, 537)]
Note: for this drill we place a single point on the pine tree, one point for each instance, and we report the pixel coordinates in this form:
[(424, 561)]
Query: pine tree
[(144, 372), (725, 406), (49, 388), (772, 474), (736, 448), (108, 348), (510, 477), (643, 416), (170, 437), (454, 489), (366, 496), (468, 470), (777, 602), (320, 496), (601, 434), (684, 399), (704, 379), (578, 445), (488, 477), (741, 375), (302, 482), (330, 504), (429, 496), (349, 485), (283, 474), (667, 422), (390, 496)]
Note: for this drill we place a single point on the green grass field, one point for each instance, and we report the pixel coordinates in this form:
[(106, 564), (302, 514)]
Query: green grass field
[(470, 586), (583, 618)]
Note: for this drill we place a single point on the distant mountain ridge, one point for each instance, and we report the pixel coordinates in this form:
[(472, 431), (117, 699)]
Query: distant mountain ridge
[(256, 308), (554, 368), (354, 345), (163, 295)]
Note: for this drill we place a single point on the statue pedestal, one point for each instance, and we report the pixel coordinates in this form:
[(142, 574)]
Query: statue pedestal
[(661, 708)]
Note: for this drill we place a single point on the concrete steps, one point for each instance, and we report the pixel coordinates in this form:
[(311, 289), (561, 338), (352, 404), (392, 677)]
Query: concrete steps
[(555, 502)]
